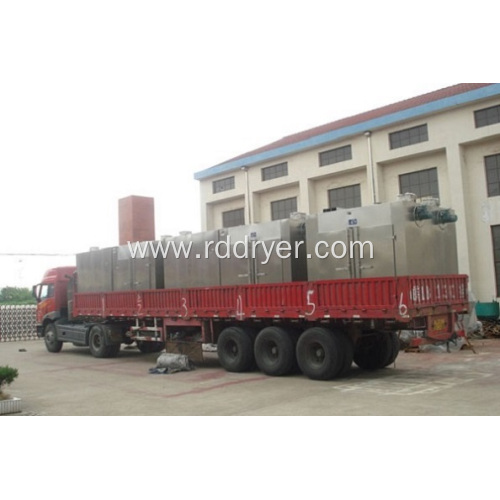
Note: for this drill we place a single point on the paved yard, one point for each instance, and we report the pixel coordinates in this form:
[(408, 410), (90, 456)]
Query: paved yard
[(72, 382)]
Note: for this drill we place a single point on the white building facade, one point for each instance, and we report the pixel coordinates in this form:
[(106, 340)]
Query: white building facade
[(445, 144)]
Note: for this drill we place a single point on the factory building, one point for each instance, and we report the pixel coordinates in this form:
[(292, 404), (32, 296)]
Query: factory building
[(444, 144)]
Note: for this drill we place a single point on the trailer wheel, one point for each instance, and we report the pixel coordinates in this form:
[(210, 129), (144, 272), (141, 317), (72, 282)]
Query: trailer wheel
[(275, 351), (97, 343), (374, 351), (348, 350), (50, 337), (235, 350), (320, 353), (147, 347), (395, 348)]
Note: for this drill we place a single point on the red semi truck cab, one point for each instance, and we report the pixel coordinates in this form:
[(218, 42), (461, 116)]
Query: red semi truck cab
[(52, 296)]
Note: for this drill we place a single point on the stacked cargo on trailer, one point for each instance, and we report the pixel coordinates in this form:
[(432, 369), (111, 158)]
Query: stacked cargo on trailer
[(407, 239)]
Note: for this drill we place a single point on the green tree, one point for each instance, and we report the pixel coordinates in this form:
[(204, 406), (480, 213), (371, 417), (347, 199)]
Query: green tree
[(7, 376), (11, 295)]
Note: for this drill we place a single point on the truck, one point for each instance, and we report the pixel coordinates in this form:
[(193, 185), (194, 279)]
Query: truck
[(315, 312)]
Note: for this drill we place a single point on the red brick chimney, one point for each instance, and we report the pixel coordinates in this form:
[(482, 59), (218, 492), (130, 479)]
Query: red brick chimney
[(136, 215)]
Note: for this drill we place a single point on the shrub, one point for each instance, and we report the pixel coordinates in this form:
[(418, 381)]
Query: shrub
[(7, 376)]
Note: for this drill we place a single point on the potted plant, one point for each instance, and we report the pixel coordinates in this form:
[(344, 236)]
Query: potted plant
[(8, 404)]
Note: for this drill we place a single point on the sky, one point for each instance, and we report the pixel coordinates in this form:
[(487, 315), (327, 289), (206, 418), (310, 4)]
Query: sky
[(103, 99)]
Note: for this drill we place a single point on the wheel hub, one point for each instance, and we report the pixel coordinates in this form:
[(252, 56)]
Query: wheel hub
[(317, 354), (273, 350), (232, 349)]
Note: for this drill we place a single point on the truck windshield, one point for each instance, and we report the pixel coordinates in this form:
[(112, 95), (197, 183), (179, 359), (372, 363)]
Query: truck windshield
[(46, 291)]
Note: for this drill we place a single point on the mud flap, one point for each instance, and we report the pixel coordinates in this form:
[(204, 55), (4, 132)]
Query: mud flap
[(441, 327)]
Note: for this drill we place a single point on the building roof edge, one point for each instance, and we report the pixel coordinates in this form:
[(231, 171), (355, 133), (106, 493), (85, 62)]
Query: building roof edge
[(275, 150)]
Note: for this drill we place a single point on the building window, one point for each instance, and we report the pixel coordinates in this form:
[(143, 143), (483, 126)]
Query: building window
[(335, 155), (275, 171), (495, 233), (223, 185), (422, 183), (492, 164), (233, 218), (487, 116), (282, 209), (345, 197), (408, 136)]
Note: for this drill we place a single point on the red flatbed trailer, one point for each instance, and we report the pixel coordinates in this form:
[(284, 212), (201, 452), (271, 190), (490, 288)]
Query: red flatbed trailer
[(367, 312), (401, 299)]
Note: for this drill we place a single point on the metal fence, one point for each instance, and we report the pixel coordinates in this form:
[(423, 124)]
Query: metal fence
[(17, 323)]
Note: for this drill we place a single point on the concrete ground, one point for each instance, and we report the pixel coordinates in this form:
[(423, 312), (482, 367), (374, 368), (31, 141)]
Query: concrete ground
[(73, 382)]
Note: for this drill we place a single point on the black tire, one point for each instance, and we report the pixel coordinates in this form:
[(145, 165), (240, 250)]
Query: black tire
[(294, 334), (374, 350), (113, 350), (274, 351), (50, 337), (396, 346), (148, 347), (348, 350), (235, 350), (97, 342), (320, 353)]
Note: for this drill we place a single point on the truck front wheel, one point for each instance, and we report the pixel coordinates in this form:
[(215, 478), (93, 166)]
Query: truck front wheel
[(50, 337)]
